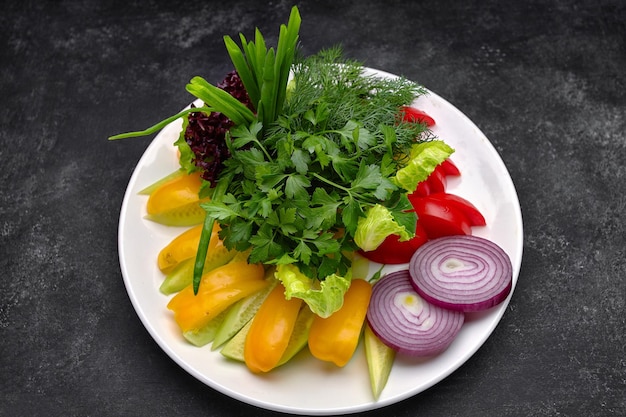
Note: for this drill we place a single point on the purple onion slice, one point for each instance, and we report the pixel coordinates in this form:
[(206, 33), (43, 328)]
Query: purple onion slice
[(462, 273), (406, 322)]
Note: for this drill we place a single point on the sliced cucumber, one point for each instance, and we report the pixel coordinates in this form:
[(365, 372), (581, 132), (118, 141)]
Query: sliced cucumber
[(380, 359), (150, 188), (206, 334), (233, 349), (187, 215), (300, 334), (240, 314), (179, 278)]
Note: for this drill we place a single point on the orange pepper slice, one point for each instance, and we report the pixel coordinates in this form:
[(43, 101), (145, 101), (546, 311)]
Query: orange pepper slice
[(219, 289), (175, 193), (335, 338), (185, 246), (270, 331)]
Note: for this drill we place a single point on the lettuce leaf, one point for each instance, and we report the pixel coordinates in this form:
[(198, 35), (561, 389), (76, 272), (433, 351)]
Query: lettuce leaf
[(323, 297), (424, 157), (377, 224)]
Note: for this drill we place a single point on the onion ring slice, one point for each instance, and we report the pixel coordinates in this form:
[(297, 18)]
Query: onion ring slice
[(462, 273), (406, 322)]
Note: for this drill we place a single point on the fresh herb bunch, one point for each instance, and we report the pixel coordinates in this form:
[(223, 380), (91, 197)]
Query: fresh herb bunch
[(317, 164), (299, 190)]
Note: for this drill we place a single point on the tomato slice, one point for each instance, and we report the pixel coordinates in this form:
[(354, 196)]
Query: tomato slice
[(411, 114), (450, 168), (439, 218), (422, 190), (474, 215), (437, 180), (392, 251)]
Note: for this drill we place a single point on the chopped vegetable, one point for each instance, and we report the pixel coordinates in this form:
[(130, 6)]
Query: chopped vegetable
[(241, 313), (474, 216), (440, 219), (222, 287), (464, 273), (411, 114), (424, 158), (181, 275), (171, 176), (205, 334), (450, 168), (182, 247), (406, 322), (380, 359), (270, 331), (234, 348), (299, 335), (176, 202), (394, 251), (437, 180), (335, 338)]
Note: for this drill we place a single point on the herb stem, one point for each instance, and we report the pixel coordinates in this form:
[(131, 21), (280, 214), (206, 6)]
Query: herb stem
[(334, 184)]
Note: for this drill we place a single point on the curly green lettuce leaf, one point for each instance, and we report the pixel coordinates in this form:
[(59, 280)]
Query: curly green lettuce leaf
[(377, 224), (323, 297), (423, 159)]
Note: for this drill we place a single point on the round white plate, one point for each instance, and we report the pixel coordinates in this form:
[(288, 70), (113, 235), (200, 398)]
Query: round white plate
[(305, 385)]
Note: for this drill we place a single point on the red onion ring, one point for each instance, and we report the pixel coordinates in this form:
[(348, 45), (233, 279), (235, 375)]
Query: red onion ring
[(462, 273), (406, 322)]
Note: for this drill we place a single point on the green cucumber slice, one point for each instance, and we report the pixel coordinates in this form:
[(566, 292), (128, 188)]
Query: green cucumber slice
[(206, 334), (299, 336), (240, 314), (150, 188), (380, 359)]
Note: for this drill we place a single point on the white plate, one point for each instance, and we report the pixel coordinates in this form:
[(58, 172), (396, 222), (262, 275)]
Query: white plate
[(305, 385)]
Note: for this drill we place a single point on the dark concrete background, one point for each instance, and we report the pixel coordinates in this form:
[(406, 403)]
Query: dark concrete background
[(544, 80)]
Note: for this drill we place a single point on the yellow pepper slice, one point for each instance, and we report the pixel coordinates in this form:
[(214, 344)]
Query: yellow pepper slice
[(185, 246), (220, 288), (177, 202), (335, 338), (270, 331), (175, 193)]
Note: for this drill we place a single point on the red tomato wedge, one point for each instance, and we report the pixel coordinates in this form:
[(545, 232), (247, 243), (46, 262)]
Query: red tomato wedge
[(422, 190), (437, 180), (474, 215), (411, 114), (392, 251), (450, 168), (440, 218)]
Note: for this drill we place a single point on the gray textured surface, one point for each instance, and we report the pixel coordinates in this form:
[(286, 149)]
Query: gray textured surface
[(545, 81)]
